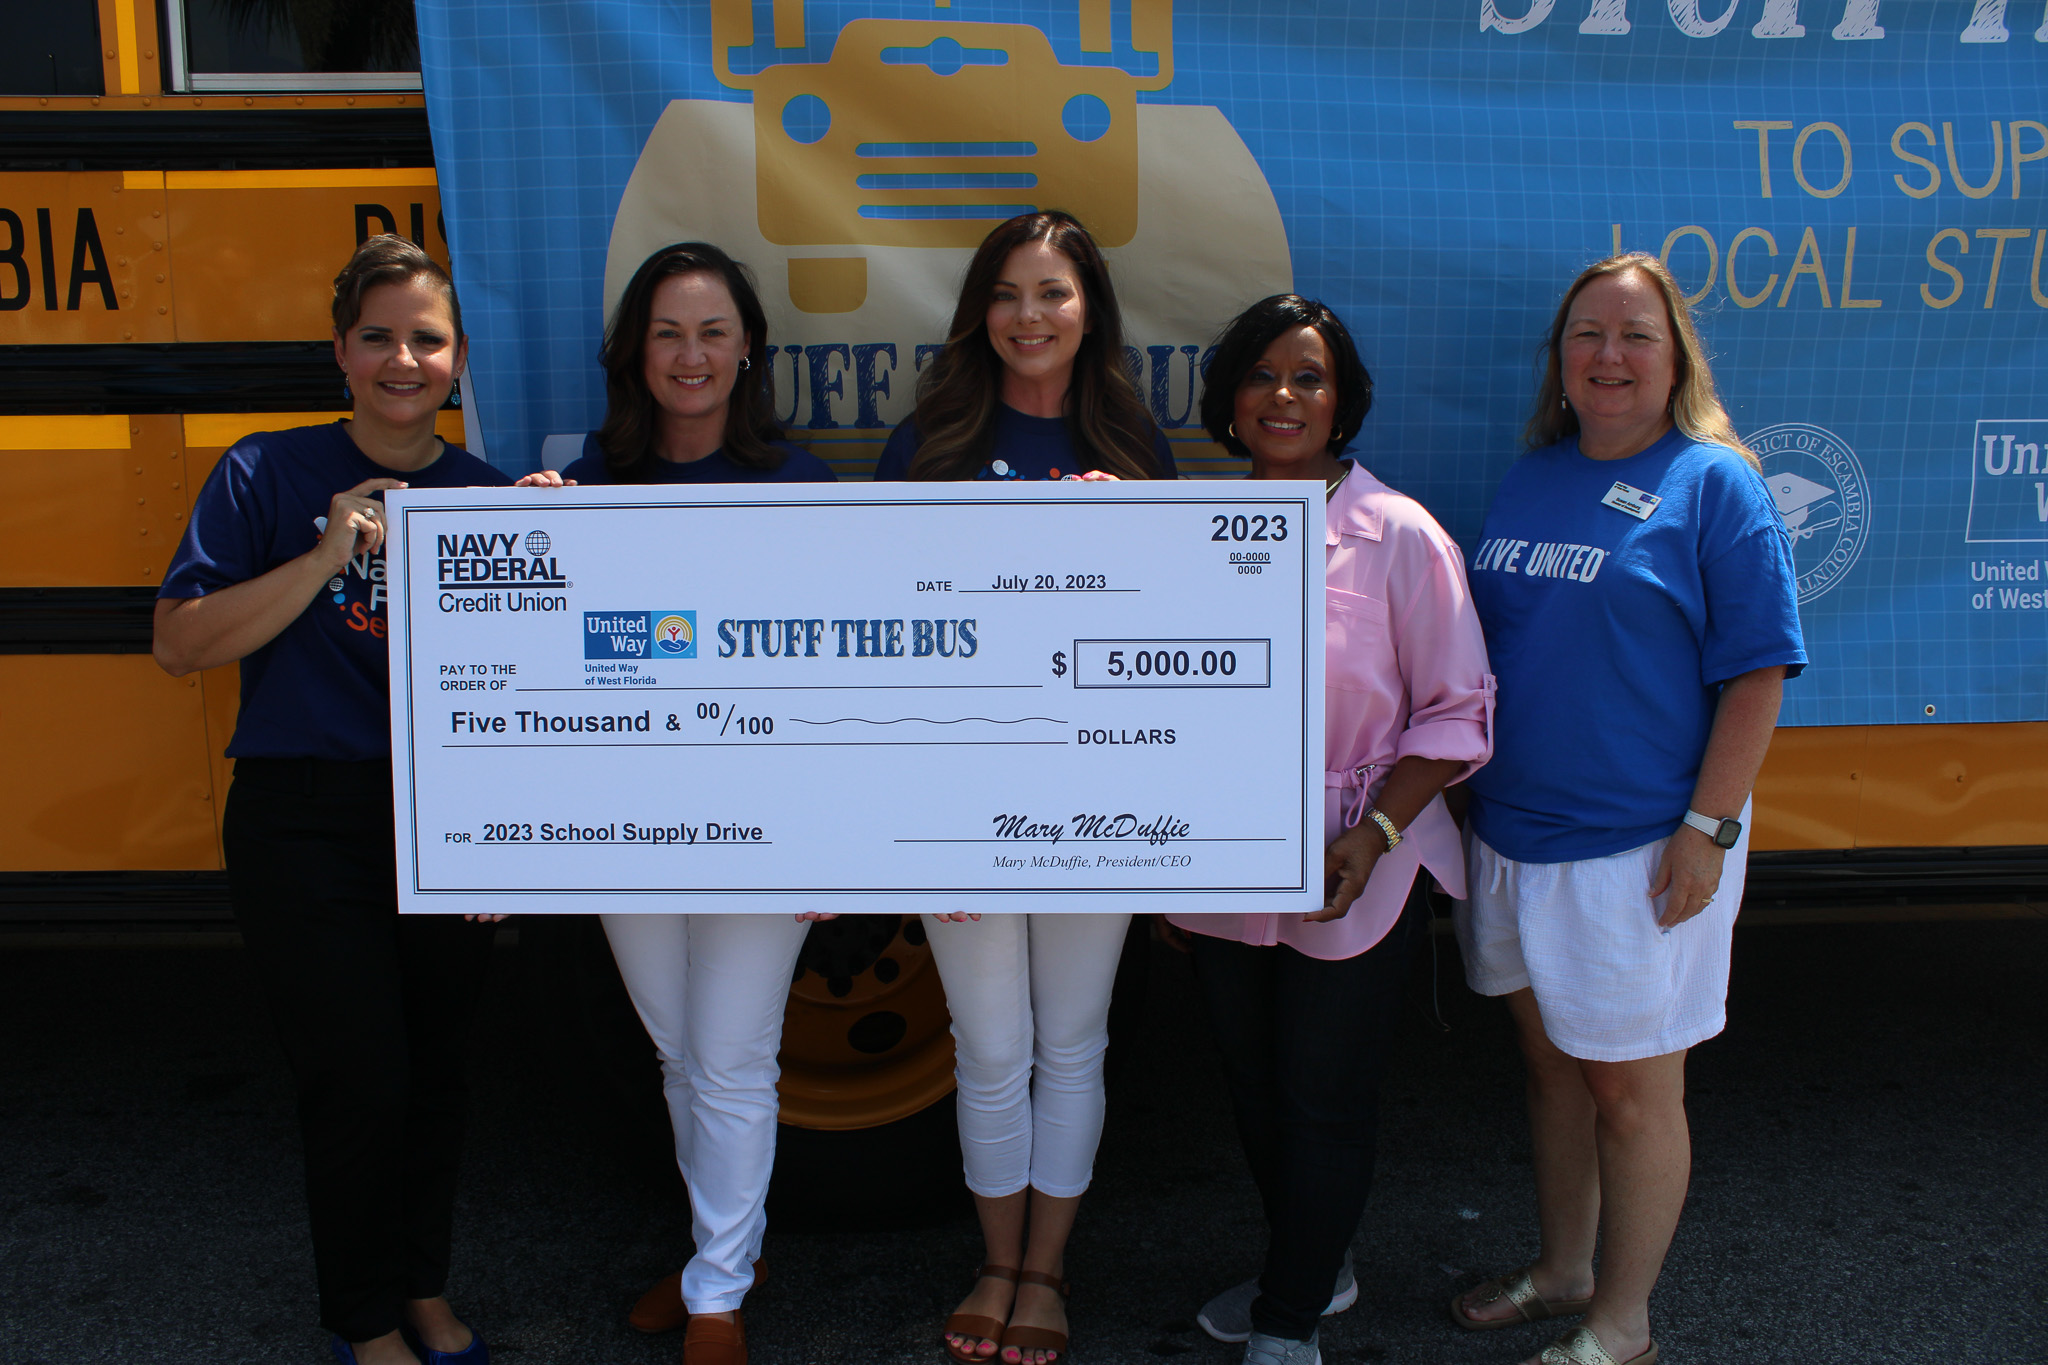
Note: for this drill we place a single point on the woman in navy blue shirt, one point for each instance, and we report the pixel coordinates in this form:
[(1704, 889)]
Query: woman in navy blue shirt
[(1031, 385), (689, 400), (282, 568), (688, 394)]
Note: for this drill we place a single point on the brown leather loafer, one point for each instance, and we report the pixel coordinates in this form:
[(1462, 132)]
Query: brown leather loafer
[(661, 1308), (714, 1341)]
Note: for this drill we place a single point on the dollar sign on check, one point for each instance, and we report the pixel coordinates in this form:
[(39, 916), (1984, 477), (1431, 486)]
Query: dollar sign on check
[(1059, 663)]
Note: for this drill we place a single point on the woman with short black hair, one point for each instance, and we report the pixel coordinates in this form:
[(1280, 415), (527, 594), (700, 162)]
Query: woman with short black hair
[(1304, 1007)]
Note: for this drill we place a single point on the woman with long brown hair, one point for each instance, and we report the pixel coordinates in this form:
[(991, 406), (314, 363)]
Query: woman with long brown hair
[(1031, 385)]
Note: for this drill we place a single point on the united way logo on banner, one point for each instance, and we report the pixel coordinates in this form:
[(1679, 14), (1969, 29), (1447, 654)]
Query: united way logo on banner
[(1820, 489), (2009, 481)]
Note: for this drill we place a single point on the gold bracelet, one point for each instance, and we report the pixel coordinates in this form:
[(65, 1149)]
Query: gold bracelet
[(1378, 817)]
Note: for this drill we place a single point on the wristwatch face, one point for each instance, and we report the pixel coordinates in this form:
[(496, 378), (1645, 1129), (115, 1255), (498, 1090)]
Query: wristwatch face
[(1730, 831)]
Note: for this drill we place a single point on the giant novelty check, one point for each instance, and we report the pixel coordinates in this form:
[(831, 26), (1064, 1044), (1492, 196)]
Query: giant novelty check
[(859, 697)]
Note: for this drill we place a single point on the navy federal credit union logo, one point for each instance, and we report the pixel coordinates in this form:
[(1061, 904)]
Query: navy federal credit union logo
[(639, 634)]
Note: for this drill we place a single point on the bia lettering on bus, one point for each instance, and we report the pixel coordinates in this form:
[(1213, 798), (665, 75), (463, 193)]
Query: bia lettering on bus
[(372, 219), (18, 278)]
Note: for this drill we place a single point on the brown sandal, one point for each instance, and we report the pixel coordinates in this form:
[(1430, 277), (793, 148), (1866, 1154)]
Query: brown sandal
[(1519, 1290), (978, 1326), (1023, 1339)]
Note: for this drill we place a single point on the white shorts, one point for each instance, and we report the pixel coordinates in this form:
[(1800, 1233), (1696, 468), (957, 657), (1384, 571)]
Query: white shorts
[(1611, 985)]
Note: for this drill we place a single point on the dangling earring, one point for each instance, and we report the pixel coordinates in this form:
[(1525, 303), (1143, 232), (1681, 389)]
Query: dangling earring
[(346, 396), (455, 394), (746, 362)]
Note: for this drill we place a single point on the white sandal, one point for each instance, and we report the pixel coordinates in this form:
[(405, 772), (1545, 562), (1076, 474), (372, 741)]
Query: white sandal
[(1519, 1290), (1580, 1347)]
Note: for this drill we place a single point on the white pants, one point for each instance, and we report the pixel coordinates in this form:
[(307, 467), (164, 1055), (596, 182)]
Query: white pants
[(711, 990), (1029, 995)]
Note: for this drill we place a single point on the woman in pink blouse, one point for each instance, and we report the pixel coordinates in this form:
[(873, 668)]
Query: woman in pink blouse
[(1304, 1006)]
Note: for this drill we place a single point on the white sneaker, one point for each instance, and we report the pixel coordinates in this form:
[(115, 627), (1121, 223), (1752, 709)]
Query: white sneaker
[(1228, 1316), (1264, 1350)]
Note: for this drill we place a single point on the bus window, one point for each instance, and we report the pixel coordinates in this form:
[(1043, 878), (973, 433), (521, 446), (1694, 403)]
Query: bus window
[(258, 45), (53, 49)]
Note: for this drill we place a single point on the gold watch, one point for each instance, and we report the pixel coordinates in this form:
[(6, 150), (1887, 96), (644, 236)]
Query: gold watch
[(1378, 817)]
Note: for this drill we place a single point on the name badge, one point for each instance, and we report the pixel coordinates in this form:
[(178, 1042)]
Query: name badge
[(1633, 501)]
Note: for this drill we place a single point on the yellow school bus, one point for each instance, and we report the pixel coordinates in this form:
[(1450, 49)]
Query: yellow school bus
[(178, 186)]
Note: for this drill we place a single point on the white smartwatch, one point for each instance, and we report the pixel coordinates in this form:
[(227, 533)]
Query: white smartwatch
[(1724, 833)]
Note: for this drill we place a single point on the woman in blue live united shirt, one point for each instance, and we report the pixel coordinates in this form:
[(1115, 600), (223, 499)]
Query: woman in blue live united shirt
[(689, 399), (282, 568), (1635, 584), (1031, 385)]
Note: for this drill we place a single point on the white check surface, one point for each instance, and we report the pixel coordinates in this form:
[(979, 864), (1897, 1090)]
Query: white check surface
[(858, 697)]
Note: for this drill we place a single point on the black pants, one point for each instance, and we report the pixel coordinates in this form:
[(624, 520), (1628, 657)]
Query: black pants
[(373, 1011), (1304, 1044)]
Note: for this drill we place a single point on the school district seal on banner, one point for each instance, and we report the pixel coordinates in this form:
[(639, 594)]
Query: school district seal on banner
[(1822, 493)]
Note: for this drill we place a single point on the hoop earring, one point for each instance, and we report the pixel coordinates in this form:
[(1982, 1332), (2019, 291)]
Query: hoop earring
[(746, 362), (1232, 429)]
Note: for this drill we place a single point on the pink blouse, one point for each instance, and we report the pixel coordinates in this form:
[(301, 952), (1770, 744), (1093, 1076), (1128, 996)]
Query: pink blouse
[(1407, 674)]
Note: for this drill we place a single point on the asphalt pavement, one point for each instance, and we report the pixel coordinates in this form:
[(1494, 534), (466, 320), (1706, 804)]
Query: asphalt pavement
[(1869, 1180)]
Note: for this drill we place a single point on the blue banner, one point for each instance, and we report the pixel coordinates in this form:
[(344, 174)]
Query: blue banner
[(1853, 190)]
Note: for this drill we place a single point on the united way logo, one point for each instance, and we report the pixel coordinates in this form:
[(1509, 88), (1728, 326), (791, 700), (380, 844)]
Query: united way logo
[(1823, 496), (675, 635), (640, 635)]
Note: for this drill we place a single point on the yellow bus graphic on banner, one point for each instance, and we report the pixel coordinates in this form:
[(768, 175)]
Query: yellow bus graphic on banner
[(920, 133), (857, 188)]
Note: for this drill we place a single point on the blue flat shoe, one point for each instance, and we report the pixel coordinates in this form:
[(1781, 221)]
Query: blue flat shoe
[(476, 1353)]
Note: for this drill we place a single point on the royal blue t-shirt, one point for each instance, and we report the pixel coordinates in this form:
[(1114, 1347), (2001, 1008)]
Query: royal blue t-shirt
[(1611, 636), (798, 466), (322, 688), (1025, 447)]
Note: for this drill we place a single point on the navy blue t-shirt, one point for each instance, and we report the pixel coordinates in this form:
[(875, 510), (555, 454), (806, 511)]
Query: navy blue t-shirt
[(798, 466), (1611, 636), (322, 688), (1025, 447)]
